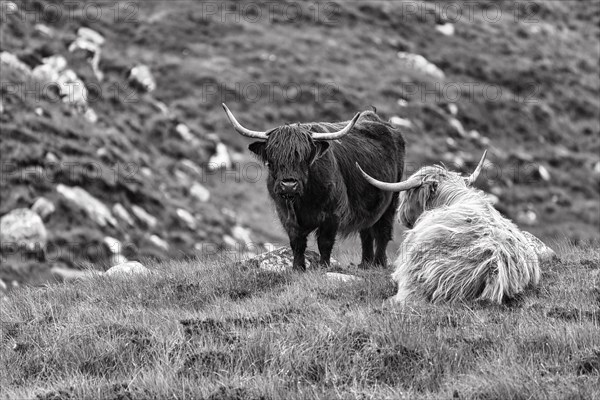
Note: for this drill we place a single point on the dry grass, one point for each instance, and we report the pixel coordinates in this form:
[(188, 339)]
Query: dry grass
[(212, 330)]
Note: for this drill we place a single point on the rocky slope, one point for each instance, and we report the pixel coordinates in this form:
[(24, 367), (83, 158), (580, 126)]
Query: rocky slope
[(111, 126)]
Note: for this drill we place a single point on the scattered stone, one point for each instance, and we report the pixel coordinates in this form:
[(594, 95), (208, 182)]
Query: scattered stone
[(282, 259), (23, 227), (334, 276), (187, 218), (458, 127), (185, 132), (484, 141), (200, 192), (39, 111), (114, 245), (229, 242), (192, 166), (544, 252), (528, 217), (421, 64), (221, 158), (3, 286), (544, 174), (51, 158), (91, 115), (128, 268), (43, 207), (147, 172), (143, 216), (44, 30), (451, 143), (399, 121), (93, 207), (159, 242), (597, 168), (141, 77), (402, 102), (474, 135), (242, 235), (446, 29), (11, 61), (122, 214), (453, 109)]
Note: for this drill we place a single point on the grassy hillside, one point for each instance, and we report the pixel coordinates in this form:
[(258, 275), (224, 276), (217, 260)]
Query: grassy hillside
[(218, 331), (526, 81)]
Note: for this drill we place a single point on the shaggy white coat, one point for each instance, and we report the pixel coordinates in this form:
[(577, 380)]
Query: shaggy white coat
[(460, 248)]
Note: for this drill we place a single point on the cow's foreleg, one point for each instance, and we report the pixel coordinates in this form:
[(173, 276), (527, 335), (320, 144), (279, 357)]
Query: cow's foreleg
[(366, 241), (298, 245), (326, 240)]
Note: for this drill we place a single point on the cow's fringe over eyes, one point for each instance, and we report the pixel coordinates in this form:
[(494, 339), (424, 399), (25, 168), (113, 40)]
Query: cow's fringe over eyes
[(461, 247)]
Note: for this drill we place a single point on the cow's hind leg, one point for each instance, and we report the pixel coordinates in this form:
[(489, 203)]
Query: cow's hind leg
[(366, 240), (326, 240), (383, 232)]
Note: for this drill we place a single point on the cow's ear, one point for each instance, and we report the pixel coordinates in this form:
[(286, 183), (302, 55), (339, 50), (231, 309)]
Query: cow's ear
[(320, 149), (258, 148)]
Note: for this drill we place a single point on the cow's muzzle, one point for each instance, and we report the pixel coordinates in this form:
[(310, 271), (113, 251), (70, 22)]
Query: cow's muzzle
[(289, 188)]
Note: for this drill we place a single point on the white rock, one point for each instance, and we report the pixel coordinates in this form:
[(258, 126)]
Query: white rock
[(453, 109), (143, 216), (451, 143), (242, 235), (474, 135), (93, 207), (90, 35), (200, 192), (114, 245), (39, 111), (334, 276), (544, 174), (159, 242), (192, 166), (44, 30), (43, 207), (484, 141), (23, 227), (402, 102), (141, 76), (128, 268), (399, 121), (544, 252), (527, 217), (185, 132), (51, 158), (11, 61), (3, 285), (220, 159), (458, 127), (230, 242), (122, 214), (116, 259), (91, 115), (187, 218), (446, 29), (72, 89), (147, 172), (421, 64), (597, 168)]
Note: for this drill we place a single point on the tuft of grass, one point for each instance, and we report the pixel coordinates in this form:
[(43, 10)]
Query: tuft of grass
[(218, 330)]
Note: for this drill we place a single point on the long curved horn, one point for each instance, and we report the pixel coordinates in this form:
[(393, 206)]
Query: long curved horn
[(338, 134), (241, 130), (391, 187), (471, 179)]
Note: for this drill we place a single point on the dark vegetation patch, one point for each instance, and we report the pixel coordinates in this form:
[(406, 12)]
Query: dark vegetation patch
[(574, 314), (206, 363), (590, 364), (236, 393)]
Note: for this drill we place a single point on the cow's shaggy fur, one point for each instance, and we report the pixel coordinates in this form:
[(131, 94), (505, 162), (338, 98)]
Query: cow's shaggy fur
[(461, 247)]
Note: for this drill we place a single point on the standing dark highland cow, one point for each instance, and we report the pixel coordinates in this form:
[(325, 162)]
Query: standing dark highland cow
[(459, 247), (316, 187)]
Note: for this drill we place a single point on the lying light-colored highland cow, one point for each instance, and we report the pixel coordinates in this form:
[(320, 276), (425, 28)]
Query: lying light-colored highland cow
[(459, 247)]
